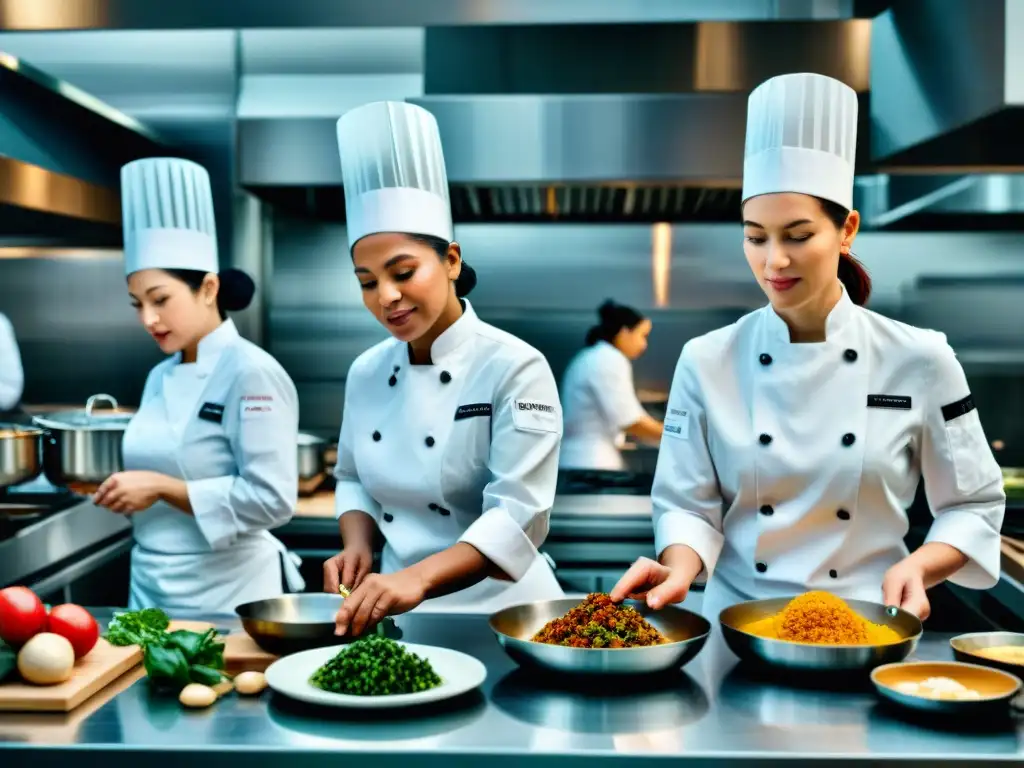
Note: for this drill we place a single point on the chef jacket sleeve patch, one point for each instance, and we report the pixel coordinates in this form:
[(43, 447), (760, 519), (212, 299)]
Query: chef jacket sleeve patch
[(677, 423), (962, 480), (257, 405), (536, 416)]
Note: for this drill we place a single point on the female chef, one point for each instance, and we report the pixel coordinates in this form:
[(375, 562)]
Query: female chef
[(795, 438), (598, 395), (451, 428), (210, 459)]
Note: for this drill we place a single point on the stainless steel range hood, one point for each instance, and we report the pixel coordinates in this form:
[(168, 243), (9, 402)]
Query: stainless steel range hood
[(530, 133), (60, 167), (520, 158)]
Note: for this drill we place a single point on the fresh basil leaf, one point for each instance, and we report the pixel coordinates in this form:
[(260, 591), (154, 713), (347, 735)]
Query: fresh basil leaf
[(189, 643), (205, 675), (166, 665)]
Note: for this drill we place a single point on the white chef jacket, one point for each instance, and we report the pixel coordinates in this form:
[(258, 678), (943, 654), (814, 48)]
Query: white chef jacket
[(789, 467), (227, 425), (600, 402), (12, 376), (463, 449)]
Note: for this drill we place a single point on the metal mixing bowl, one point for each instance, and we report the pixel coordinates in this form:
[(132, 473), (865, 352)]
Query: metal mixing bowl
[(686, 631), (965, 649), (299, 622), (782, 654)]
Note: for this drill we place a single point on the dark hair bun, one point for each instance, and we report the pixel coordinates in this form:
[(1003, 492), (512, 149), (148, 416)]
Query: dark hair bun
[(608, 312), (236, 290), (466, 280)]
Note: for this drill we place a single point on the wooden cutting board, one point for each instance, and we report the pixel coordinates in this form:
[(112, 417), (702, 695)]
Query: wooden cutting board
[(100, 667), (1013, 557)]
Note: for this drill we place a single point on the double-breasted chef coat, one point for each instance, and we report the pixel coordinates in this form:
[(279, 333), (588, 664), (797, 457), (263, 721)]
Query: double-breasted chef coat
[(12, 376), (600, 401), (789, 467), (464, 449), (228, 426)]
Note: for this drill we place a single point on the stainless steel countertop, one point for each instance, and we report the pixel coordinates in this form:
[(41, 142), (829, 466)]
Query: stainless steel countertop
[(712, 714)]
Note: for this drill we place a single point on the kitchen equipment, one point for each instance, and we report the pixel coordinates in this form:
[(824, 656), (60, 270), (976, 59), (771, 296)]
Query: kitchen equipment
[(459, 673), (686, 631), (20, 454), (312, 468), (100, 667), (965, 649), (996, 688), (81, 449), (298, 622), (806, 657)]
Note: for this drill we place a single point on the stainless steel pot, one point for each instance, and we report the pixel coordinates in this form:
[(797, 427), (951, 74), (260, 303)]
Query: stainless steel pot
[(82, 448), (20, 459), (312, 468)]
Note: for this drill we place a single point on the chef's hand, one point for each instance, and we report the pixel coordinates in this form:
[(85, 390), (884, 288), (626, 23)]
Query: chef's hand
[(129, 492), (348, 567), (903, 586), (379, 596), (648, 580)]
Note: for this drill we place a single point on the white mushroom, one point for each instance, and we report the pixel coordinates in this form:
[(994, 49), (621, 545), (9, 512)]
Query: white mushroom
[(196, 696), (46, 659), (250, 683)]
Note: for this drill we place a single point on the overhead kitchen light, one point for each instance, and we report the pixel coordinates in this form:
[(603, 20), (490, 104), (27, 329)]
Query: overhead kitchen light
[(661, 262)]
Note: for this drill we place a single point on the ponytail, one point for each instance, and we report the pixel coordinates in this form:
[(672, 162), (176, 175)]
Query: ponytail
[(855, 278), (851, 273), (613, 318)]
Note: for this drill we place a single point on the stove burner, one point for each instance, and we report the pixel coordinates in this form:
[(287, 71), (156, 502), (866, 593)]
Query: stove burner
[(21, 509)]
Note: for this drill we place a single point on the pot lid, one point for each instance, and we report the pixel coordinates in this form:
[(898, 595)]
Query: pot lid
[(90, 418)]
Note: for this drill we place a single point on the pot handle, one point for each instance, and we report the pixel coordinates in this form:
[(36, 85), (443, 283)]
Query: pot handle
[(92, 401)]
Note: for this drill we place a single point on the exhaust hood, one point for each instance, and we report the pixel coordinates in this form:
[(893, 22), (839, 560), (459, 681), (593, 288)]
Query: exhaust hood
[(62, 151), (601, 157), (583, 123)]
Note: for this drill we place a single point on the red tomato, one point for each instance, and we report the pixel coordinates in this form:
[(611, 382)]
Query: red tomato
[(76, 625), (22, 615)]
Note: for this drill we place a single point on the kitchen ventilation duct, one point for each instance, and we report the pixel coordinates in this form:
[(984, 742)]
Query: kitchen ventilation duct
[(62, 151)]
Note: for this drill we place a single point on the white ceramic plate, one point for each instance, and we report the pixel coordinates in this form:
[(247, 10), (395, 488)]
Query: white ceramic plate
[(459, 673)]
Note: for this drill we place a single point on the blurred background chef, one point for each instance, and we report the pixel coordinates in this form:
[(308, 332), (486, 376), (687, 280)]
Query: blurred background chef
[(600, 401), (450, 429), (796, 438), (12, 376), (210, 460)]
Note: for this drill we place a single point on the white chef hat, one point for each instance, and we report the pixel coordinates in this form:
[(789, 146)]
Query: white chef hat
[(393, 171), (801, 137), (167, 215)]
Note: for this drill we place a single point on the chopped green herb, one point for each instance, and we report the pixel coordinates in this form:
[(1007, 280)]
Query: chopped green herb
[(375, 666), (137, 627)]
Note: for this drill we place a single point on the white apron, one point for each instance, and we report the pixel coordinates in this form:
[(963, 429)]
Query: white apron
[(172, 565)]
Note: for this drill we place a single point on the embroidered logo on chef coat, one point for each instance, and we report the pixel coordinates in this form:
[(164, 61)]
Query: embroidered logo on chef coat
[(212, 412), (889, 401), (535, 416), (472, 411), (256, 405), (959, 408), (676, 422)]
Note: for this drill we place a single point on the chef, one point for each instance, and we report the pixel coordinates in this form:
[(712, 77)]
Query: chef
[(210, 458), (451, 428), (796, 437), (12, 376), (600, 402)]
